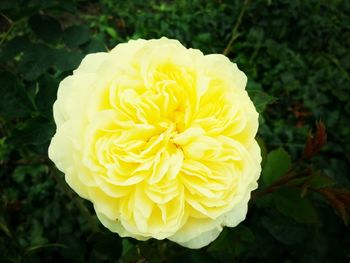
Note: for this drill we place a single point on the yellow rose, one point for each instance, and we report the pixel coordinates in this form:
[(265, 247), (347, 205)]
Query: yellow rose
[(160, 138)]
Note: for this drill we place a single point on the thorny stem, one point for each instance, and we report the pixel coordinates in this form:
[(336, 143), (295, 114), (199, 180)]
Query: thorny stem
[(234, 34), (284, 180)]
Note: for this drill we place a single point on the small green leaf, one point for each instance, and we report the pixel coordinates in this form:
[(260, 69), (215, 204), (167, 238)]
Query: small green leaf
[(45, 27), (319, 180), (291, 204), (74, 36), (260, 98), (111, 32), (278, 162)]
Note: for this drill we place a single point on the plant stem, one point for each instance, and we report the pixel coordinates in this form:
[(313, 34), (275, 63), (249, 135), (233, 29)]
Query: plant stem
[(289, 176), (234, 34), (9, 30), (279, 183)]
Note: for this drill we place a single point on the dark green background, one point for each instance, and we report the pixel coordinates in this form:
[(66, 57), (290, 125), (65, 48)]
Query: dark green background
[(297, 58)]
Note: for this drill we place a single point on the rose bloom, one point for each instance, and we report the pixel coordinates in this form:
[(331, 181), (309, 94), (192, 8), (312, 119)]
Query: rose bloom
[(160, 138)]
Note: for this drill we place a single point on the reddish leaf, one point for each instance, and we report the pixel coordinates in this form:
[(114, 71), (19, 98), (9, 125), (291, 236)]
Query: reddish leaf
[(314, 143)]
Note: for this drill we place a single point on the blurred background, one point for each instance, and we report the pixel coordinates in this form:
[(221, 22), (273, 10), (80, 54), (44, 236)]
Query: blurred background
[(296, 55)]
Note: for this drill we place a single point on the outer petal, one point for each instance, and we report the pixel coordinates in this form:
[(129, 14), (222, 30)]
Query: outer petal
[(238, 213), (72, 97), (116, 227), (203, 239), (193, 228), (92, 62), (219, 66)]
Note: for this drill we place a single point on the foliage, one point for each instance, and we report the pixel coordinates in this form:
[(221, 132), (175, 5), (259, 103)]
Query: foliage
[(296, 55)]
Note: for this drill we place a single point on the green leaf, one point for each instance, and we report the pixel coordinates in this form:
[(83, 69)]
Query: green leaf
[(14, 101), (285, 230), (45, 27), (36, 60), (233, 242), (111, 32), (14, 47), (127, 246), (75, 36), (260, 98), (278, 162), (291, 204), (94, 45), (36, 131), (46, 95), (319, 180), (65, 61)]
